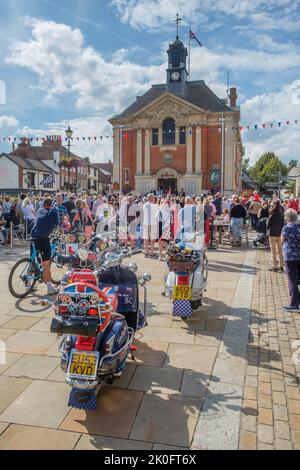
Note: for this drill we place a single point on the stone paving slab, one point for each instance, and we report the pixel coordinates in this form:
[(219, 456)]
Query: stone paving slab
[(18, 437), (42, 404), (21, 323), (191, 357), (106, 443), (10, 389), (10, 358), (6, 333), (166, 419), (114, 417), (33, 367), (156, 379), (30, 342), (150, 353)]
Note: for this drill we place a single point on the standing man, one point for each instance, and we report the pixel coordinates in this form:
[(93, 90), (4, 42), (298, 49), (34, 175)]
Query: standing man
[(69, 204), (62, 211), (45, 222), (150, 226), (218, 204)]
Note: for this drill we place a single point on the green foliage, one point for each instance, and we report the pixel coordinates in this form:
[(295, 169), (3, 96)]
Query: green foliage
[(268, 169), (246, 164), (292, 164)]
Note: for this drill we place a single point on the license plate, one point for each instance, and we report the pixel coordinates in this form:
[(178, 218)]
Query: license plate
[(182, 293), (83, 365)]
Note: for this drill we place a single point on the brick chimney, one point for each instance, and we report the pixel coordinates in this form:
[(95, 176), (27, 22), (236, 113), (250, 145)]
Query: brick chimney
[(233, 97)]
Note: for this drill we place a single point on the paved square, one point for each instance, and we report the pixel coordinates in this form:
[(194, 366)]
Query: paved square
[(222, 379)]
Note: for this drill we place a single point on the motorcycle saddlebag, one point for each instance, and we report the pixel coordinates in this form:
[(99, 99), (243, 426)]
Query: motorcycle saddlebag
[(79, 326)]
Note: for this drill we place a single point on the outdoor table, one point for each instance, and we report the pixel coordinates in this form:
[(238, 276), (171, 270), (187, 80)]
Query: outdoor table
[(220, 226)]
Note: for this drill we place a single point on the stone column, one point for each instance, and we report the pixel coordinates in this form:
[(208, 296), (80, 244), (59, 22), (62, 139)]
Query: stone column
[(177, 130), (116, 153), (198, 153), (147, 151), (160, 136), (189, 152), (139, 152)]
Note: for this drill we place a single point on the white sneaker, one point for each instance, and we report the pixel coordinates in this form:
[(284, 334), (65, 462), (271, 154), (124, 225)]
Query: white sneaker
[(52, 290)]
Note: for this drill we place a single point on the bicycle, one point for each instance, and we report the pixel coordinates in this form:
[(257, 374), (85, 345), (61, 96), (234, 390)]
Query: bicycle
[(28, 271)]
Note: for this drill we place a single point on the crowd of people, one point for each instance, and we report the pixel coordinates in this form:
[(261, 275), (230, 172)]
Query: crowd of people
[(156, 219)]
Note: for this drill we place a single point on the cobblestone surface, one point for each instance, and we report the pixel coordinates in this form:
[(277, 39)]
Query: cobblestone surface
[(271, 399)]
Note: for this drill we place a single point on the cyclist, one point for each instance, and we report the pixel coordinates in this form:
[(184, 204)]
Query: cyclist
[(46, 220)]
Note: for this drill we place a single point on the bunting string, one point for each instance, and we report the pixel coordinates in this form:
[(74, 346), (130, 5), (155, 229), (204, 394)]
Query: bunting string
[(127, 133)]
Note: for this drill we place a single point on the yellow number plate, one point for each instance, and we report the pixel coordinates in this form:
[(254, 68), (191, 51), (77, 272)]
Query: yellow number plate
[(182, 293), (83, 365)]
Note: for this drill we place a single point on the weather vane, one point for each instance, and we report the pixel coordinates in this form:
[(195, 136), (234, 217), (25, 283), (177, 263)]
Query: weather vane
[(177, 21)]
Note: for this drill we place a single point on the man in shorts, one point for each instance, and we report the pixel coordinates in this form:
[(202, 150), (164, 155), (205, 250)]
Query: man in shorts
[(150, 225), (46, 220)]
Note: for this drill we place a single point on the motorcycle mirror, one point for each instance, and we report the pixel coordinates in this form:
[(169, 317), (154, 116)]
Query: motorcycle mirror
[(147, 277), (133, 267)]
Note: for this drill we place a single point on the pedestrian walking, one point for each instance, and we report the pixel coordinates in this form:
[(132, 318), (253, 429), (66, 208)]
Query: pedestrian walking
[(275, 224)]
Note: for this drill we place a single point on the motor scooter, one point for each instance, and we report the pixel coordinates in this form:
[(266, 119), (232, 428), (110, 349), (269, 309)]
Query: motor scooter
[(97, 314), (188, 271)]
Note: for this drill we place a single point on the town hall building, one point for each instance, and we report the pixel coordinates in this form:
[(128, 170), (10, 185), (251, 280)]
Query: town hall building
[(178, 135)]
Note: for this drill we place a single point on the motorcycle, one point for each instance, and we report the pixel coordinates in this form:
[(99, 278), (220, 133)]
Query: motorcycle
[(97, 314), (187, 278)]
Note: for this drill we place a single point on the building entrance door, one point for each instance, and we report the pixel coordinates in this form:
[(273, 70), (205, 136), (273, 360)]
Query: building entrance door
[(167, 183)]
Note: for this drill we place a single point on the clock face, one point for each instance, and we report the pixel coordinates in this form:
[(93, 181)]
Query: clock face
[(175, 76)]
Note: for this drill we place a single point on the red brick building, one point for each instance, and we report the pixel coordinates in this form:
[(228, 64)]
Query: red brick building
[(178, 135)]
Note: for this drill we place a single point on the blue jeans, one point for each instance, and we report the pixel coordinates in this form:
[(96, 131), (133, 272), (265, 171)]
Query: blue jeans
[(236, 229)]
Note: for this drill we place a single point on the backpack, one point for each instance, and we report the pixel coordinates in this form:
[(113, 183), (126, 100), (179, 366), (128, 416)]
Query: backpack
[(79, 220)]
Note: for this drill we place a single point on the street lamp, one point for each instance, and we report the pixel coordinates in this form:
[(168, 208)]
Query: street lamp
[(69, 134)]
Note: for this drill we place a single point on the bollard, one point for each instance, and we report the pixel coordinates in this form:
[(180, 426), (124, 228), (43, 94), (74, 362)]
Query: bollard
[(11, 236)]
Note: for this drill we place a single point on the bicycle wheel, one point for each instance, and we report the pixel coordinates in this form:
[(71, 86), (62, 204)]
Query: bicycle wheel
[(22, 278)]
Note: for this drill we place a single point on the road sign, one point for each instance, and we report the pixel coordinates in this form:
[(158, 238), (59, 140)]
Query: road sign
[(273, 185)]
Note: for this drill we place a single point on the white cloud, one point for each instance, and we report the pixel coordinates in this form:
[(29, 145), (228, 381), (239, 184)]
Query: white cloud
[(157, 14), (64, 64), (8, 124), (272, 108), (154, 15)]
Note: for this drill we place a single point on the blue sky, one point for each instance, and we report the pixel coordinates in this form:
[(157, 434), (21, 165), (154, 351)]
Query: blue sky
[(79, 62)]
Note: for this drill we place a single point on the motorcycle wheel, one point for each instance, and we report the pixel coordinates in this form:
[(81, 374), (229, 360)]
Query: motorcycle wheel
[(195, 304)]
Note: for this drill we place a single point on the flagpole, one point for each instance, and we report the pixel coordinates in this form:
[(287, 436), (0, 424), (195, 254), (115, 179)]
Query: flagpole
[(189, 52)]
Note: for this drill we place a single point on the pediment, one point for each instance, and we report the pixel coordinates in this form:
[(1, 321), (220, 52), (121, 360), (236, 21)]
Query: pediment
[(168, 105)]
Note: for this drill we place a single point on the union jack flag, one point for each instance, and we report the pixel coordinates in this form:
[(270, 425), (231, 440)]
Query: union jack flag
[(193, 36)]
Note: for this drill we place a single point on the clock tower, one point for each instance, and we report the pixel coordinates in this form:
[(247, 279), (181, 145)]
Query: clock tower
[(177, 67)]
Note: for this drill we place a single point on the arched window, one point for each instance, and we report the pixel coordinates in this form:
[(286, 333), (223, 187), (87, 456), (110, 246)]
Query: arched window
[(169, 131)]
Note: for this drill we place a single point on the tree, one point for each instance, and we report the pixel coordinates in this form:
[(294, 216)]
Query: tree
[(246, 165), (292, 164), (268, 168)]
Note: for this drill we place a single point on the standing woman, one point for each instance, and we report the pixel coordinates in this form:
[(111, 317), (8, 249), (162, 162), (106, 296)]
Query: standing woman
[(291, 251), (275, 224), (237, 216), (165, 226), (90, 226), (29, 214), (7, 205)]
